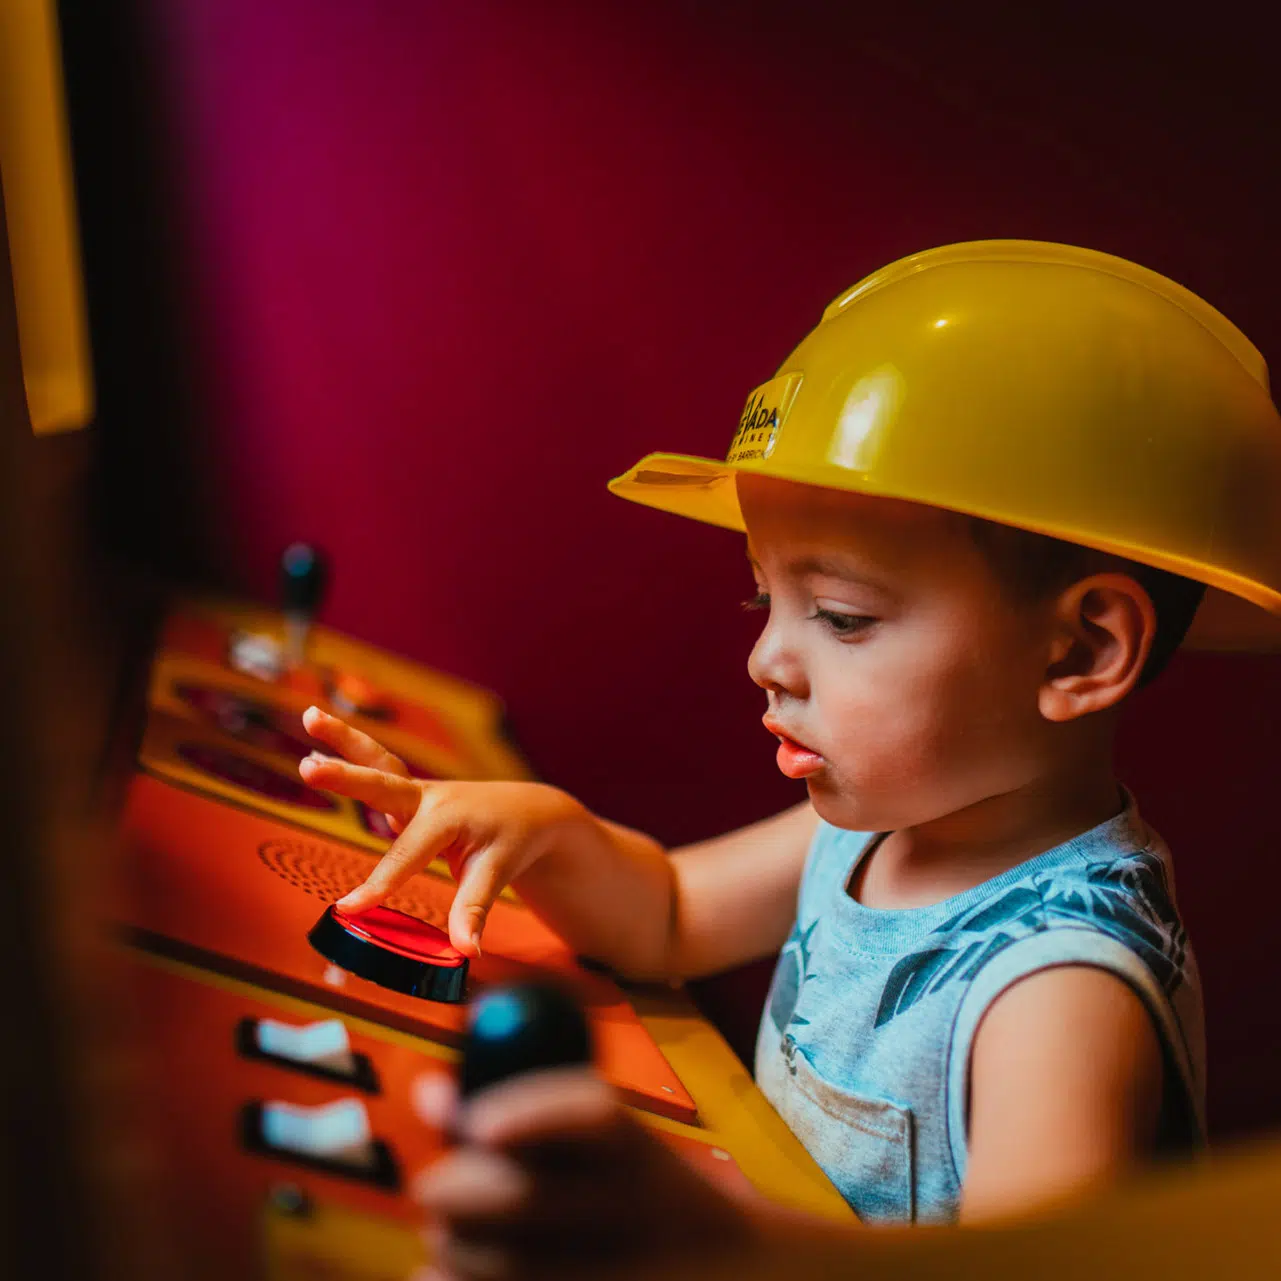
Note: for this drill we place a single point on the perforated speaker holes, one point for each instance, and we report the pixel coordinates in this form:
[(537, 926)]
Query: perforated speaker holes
[(327, 872)]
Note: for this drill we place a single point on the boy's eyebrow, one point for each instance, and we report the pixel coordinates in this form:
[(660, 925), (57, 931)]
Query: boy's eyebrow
[(824, 567)]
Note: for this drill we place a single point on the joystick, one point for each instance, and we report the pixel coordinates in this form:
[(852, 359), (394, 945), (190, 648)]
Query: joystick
[(521, 1028), (304, 575)]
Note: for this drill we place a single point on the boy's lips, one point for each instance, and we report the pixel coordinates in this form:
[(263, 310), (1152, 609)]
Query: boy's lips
[(794, 759)]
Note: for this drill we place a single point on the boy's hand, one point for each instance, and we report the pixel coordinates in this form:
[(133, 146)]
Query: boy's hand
[(610, 892), (553, 1179), (488, 833)]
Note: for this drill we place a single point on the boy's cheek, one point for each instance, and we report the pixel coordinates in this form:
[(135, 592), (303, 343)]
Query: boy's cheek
[(911, 741), (878, 751), (893, 771)]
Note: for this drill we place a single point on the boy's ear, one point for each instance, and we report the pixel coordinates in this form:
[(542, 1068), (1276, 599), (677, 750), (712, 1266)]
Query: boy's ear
[(1103, 630)]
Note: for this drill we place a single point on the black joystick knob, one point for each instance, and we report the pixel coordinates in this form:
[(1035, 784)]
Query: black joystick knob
[(518, 1029), (304, 575)]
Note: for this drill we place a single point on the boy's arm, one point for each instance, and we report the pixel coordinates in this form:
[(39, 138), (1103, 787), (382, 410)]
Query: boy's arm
[(735, 896), (617, 895), (1065, 1091)]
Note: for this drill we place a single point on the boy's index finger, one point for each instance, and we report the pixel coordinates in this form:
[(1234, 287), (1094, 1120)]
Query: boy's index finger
[(351, 743), (424, 837)]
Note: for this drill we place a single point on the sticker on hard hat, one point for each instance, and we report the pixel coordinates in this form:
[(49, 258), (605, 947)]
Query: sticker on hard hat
[(763, 418)]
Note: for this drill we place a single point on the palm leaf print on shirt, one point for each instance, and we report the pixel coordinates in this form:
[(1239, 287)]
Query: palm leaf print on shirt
[(1127, 899), (793, 970)]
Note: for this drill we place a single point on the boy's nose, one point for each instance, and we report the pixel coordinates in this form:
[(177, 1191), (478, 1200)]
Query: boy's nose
[(775, 667)]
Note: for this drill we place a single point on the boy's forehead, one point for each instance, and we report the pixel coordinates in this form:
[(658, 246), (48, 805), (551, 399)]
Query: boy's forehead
[(782, 515)]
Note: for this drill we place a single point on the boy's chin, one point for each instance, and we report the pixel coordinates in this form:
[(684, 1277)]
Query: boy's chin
[(845, 807), (837, 807)]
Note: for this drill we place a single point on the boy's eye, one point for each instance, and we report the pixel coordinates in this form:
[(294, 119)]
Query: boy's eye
[(842, 624), (759, 601)]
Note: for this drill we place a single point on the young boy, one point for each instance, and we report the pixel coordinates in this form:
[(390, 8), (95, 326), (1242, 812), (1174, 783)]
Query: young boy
[(982, 502)]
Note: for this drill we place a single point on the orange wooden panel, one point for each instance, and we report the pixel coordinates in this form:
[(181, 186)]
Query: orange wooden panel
[(198, 1084), (238, 892), (217, 1189)]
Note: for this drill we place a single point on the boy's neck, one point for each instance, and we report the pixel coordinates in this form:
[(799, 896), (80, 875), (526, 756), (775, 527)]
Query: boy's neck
[(918, 866)]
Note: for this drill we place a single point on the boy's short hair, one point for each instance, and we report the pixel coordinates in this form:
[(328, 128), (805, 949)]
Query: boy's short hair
[(1034, 567)]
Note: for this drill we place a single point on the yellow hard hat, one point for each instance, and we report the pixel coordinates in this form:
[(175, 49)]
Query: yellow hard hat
[(1053, 388)]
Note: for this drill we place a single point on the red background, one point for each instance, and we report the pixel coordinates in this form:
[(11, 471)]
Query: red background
[(433, 273)]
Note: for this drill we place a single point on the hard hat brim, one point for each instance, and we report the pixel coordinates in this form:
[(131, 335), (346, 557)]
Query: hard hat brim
[(701, 488)]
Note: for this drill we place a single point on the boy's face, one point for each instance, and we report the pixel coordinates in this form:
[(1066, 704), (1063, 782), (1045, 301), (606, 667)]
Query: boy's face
[(892, 653)]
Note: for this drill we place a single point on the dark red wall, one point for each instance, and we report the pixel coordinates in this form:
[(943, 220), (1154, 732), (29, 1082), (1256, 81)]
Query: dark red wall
[(450, 267)]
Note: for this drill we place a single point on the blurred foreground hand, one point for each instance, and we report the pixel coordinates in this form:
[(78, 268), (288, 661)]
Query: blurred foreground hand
[(551, 1178)]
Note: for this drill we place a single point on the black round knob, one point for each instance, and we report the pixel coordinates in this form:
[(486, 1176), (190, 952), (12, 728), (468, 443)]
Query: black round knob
[(518, 1029), (304, 575)]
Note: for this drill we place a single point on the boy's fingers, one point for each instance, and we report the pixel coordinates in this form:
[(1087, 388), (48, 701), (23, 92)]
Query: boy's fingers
[(470, 1184), (350, 743), (434, 1097), (423, 838), (553, 1103), (396, 796), (480, 881)]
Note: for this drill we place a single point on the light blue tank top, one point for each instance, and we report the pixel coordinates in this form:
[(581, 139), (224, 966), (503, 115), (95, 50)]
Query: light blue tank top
[(864, 1046)]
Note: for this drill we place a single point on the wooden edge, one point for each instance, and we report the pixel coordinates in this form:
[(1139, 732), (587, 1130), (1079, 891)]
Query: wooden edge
[(735, 1114)]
